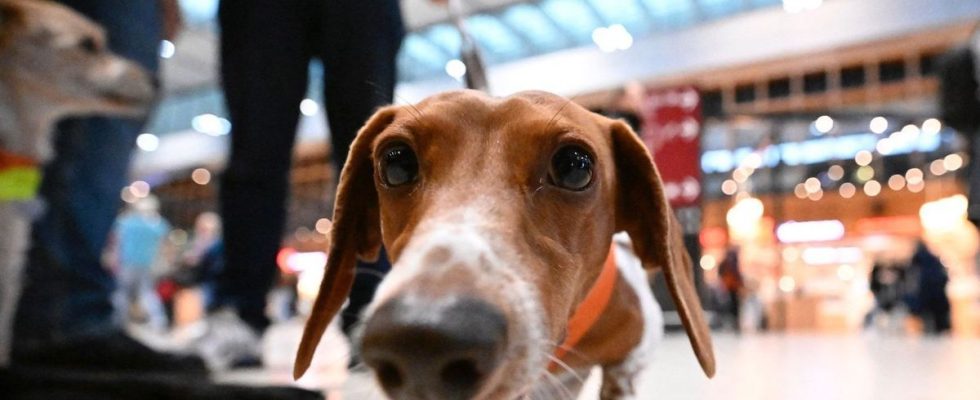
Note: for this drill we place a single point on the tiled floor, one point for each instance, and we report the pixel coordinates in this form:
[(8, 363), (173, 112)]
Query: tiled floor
[(750, 367)]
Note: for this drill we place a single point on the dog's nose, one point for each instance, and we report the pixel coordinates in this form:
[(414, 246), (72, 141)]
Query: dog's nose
[(420, 349)]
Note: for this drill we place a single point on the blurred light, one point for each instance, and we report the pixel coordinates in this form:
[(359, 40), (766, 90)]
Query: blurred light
[(787, 284), (308, 284), (885, 146), (910, 131), (612, 38), (845, 272), (896, 182), (456, 69), (147, 142), (824, 124), (729, 187), (292, 261), (745, 212), (167, 49), (944, 214), (800, 191), (140, 189), (864, 173), (953, 162), (931, 126), (127, 195), (708, 262), (741, 174), (917, 187), (812, 185), (309, 107), (323, 226), (210, 124), (863, 158), (810, 231), (913, 176), (815, 196), (937, 167), (872, 188), (302, 234), (201, 176), (847, 190), (752, 161), (878, 125), (836, 172), (832, 255), (796, 6)]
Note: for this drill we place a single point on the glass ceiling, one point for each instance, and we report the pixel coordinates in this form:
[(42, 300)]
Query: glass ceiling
[(539, 27)]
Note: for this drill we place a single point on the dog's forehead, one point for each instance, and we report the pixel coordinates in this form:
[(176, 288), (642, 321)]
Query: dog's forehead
[(476, 110)]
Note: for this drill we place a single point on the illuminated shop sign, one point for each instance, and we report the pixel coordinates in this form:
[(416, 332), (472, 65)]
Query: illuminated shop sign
[(820, 150)]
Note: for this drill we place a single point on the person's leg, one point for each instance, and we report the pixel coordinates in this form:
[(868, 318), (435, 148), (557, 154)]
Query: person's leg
[(264, 61), (359, 76), (68, 291)]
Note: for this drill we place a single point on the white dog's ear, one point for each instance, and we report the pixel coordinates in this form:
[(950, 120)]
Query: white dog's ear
[(643, 212), (356, 234)]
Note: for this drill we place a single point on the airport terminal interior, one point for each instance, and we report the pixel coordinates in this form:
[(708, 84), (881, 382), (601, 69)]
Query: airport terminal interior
[(819, 157)]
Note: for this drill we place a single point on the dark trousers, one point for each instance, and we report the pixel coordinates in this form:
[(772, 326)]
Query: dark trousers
[(67, 291), (266, 48)]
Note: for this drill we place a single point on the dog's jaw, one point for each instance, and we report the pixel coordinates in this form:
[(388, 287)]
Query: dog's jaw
[(463, 242)]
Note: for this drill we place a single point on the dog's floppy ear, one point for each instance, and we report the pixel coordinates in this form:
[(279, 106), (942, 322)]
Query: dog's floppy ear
[(643, 212), (356, 234)]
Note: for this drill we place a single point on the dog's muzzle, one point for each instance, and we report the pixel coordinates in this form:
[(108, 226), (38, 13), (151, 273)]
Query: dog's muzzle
[(434, 348)]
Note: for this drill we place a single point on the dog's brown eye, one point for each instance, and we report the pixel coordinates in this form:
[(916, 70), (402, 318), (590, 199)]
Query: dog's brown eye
[(571, 168), (88, 45), (399, 166)]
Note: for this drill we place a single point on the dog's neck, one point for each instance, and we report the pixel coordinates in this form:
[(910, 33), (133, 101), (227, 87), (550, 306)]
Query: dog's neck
[(24, 130)]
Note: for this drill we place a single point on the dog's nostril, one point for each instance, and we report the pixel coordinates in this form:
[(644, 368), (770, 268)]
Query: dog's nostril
[(461, 375), (389, 375)]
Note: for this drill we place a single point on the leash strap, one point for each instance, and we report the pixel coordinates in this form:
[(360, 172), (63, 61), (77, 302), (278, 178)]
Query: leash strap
[(591, 308)]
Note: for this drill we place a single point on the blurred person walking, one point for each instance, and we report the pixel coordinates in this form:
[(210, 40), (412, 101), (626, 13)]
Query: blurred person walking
[(66, 317), (885, 283), (732, 283), (266, 49), (930, 304), (140, 233)]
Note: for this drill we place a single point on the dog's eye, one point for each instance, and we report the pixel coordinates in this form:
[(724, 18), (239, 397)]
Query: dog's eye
[(399, 166), (88, 45), (571, 168)]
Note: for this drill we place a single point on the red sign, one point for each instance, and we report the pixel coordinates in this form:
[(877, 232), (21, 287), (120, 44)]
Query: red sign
[(672, 132)]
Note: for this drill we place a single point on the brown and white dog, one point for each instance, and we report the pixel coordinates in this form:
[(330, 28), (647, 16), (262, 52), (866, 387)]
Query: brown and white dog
[(53, 63), (499, 214)]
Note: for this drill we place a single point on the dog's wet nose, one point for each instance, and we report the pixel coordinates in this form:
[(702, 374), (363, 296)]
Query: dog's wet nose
[(423, 350)]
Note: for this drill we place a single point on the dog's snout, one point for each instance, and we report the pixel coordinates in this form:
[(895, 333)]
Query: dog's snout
[(420, 349)]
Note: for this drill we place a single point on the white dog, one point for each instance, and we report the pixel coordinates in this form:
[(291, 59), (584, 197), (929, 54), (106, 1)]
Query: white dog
[(53, 63)]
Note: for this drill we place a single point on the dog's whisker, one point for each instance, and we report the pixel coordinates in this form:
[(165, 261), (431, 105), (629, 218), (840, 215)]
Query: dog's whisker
[(569, 350), (381, 92), (566, 367), (562, 390), (554, 118)]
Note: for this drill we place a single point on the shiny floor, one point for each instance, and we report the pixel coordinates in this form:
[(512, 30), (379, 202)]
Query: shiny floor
[(767, 366)]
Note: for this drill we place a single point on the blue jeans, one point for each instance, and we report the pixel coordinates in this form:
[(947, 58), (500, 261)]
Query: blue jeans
[(68, 292)]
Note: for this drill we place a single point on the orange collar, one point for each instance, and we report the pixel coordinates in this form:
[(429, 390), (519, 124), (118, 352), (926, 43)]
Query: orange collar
[(592, 306), (11, 160)]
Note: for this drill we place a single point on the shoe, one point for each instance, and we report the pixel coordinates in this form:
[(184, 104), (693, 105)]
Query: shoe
[(114, 352), (227, 342)]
